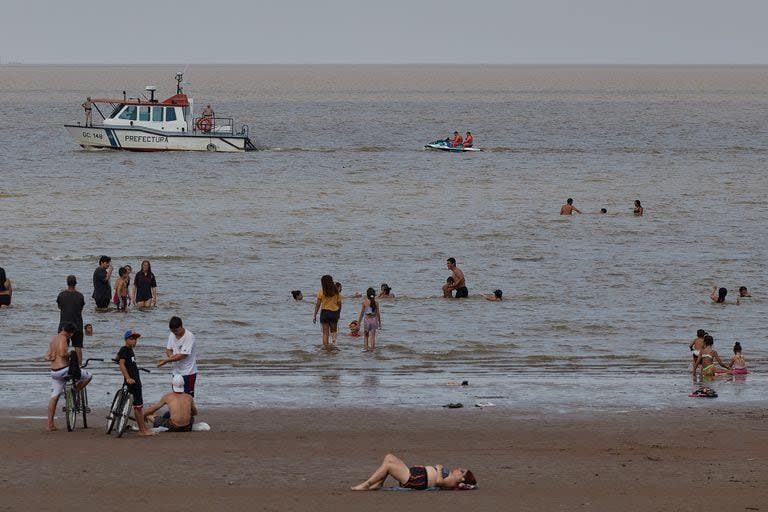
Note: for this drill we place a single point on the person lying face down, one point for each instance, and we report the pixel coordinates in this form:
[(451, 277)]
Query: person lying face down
[(418, 477)]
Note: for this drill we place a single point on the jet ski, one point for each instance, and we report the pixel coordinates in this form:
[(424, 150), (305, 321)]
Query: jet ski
[(444, 145)]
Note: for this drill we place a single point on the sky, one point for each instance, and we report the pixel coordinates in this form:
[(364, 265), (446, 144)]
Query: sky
[(391, 31)]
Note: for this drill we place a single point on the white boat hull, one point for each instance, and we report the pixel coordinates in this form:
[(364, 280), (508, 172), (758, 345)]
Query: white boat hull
[(146, 139), (443, 147)]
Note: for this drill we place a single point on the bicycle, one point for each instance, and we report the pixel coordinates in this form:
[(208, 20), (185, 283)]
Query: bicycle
[(76, 400), (120, 411)]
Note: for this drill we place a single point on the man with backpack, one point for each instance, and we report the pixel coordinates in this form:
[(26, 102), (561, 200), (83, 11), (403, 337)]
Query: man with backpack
[(63, 363)]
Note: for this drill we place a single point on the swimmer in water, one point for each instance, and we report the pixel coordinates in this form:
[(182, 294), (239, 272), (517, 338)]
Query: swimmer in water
[(386, 292), (297, 295), (496, 297), (354, 328), (707, 359), (718, 294)]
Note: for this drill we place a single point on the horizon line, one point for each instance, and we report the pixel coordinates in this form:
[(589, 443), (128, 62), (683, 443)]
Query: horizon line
[(332, 63)]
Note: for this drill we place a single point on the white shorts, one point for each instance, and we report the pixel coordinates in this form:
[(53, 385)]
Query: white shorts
[(58, 378)]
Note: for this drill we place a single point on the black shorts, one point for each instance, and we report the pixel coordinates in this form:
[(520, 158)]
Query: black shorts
[(165, 421), (5, 300), (135, 390), (77, 339), (462, 292), (329, 317), (417, 479)]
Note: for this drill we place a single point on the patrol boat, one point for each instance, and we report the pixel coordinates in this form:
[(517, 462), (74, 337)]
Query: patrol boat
[(140, 124)]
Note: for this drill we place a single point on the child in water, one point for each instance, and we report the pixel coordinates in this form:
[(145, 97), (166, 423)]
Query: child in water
[(354, 328), (697, 344), (121, 289), (738, 365), (370, 310), (496, 297), (448, 292)]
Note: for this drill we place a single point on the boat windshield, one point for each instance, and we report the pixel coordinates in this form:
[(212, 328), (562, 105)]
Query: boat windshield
[(129, 113)]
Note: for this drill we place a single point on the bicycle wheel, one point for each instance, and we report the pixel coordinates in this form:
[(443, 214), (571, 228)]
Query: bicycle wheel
[(125, 411), (114, 411), (84, 406), (70, 407)]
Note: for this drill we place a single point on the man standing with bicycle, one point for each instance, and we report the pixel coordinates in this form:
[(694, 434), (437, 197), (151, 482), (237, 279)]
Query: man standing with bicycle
[(182, 353), (59, 357)]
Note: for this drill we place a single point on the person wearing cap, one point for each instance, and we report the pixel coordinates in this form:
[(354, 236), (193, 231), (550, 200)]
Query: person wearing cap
[(181, 408), (71, 303), (181, 351), (130, 370)]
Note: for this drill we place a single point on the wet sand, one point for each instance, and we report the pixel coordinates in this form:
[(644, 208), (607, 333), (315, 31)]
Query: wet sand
[(686, 459)]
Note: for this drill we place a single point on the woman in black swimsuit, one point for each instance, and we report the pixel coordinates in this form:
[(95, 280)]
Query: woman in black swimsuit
[(417, 477)]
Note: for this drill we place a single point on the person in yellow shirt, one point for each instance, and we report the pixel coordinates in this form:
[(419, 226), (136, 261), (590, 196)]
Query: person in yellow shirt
[(329, 305)]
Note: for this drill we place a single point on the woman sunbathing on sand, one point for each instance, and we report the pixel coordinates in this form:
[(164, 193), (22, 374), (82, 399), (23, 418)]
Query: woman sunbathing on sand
[(417, 477)]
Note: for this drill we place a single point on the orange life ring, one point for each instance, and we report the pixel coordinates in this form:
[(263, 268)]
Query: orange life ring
[(204, 124)]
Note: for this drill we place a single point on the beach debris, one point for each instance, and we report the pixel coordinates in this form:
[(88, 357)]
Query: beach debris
[(485, 404), (456, 405)]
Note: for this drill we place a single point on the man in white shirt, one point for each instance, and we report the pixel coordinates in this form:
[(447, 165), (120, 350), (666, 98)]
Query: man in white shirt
[(182, 353)]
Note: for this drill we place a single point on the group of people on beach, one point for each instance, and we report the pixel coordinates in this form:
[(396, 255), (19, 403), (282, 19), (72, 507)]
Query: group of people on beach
[(143, 294), (568, 208), (180, 350), (718, 294), (707, 362), (329, 302)]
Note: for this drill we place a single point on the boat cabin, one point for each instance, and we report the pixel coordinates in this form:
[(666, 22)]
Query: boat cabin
[(167, 115)]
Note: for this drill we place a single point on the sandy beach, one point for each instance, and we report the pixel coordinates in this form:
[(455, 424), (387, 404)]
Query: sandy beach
[(277, 460)]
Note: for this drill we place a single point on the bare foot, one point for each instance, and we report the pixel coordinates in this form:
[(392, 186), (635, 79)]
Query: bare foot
[(147, 433), (52, 428), (361, 487)]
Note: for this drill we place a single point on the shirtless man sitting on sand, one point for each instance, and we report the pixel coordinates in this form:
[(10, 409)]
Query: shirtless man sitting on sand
[(58, 355), (181, 409)]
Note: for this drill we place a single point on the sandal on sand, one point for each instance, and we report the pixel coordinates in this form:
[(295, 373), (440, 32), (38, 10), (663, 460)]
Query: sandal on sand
[(704, 392)]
